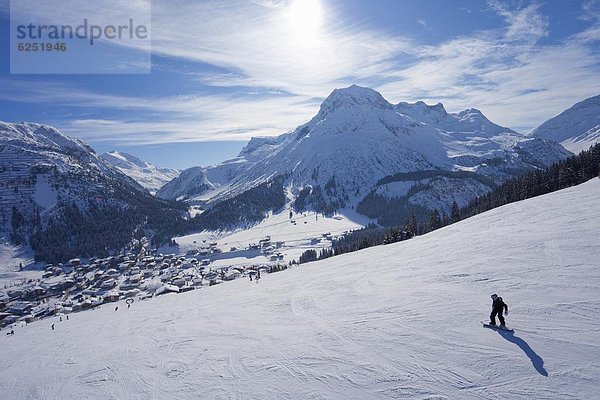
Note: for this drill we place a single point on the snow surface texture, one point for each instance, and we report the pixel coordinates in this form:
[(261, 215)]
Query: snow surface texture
[(10, 258), (358, 137), (148, 175), (397, 321), (576, 129)]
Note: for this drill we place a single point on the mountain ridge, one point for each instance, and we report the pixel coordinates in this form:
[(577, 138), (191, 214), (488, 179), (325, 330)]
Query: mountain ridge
[(59, 197), (576, 128), (146, 174), (357, 137)]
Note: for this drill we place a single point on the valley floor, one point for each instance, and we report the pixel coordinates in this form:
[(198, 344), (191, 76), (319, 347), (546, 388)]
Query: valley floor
[(302, 232), (398, 321)]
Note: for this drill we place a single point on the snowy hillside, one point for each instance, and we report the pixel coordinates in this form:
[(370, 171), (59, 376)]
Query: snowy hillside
[(303, 232), (576, 128), (58, 196), (35, 162), (203, 183), (148, 175), (398, 321), (358, 138)]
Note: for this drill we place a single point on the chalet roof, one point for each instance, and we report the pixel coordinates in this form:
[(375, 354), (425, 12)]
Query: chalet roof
[(21, 305)]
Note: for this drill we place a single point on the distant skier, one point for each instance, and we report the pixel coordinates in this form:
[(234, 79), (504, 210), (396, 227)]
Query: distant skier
[(498, 307), (52, 326)]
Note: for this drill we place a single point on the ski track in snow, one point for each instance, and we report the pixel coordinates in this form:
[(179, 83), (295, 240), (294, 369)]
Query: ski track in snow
[(398, 321)]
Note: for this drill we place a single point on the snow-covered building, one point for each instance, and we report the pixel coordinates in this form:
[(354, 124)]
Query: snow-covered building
[(21, 308), (166, 289), (108, 284), (111, 297)]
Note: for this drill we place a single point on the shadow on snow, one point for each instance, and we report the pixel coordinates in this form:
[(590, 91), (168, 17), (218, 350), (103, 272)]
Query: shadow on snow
[(536, 360)]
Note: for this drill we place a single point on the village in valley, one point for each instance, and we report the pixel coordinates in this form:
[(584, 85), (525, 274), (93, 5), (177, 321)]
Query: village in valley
[(198, 261)]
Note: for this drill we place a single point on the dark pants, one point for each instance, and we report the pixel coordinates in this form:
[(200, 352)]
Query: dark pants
[(493, 317)]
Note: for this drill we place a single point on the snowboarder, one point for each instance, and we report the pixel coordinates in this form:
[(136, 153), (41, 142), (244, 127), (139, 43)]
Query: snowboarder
[(498, 307), (52, 326)]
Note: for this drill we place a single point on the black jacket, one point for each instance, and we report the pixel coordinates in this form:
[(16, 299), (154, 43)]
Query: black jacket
[(499, 305)]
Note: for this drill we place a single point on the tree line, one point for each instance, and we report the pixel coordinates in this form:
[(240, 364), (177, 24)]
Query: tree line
[(566, 173)]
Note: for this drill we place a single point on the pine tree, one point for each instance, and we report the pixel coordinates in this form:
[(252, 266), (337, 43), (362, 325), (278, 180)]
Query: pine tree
[(308, 256), (16, 221), (455, 212), (412, 225), (435, 222)]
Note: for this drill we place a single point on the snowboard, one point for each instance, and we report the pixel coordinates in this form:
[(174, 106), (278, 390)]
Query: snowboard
[(497, 327)]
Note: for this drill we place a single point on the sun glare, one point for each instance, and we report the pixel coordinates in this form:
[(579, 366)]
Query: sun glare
[(305, 19)]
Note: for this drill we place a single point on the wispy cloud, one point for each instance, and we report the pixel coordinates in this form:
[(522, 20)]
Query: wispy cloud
[(505, 72), (591, 15), (523, 24), (263, 47), (279, 73), (168, 119)]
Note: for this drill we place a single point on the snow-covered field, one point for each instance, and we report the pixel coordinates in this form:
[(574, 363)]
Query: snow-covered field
[(297, 237), (10, 258), (399, 321)]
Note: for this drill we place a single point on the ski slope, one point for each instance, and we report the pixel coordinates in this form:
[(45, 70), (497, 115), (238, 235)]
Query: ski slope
[(398, 321), (10, 258)]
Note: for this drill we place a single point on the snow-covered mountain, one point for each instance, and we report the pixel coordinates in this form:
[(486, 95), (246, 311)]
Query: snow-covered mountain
[(148, 175), (576, 128), (59, 196), (357, 138), (203, 183), (388, 322), (39, 166)]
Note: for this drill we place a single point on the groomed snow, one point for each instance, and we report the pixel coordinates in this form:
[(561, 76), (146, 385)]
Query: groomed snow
[(399, 321), (10, 258)]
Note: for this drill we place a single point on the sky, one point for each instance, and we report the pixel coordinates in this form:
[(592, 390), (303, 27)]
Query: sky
[(225, 71)]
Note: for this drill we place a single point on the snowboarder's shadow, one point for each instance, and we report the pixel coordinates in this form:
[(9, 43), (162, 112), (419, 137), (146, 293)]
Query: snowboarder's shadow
[(536, 360)]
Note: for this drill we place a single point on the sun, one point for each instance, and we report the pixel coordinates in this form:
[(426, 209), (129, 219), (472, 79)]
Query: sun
[(305, 20)]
